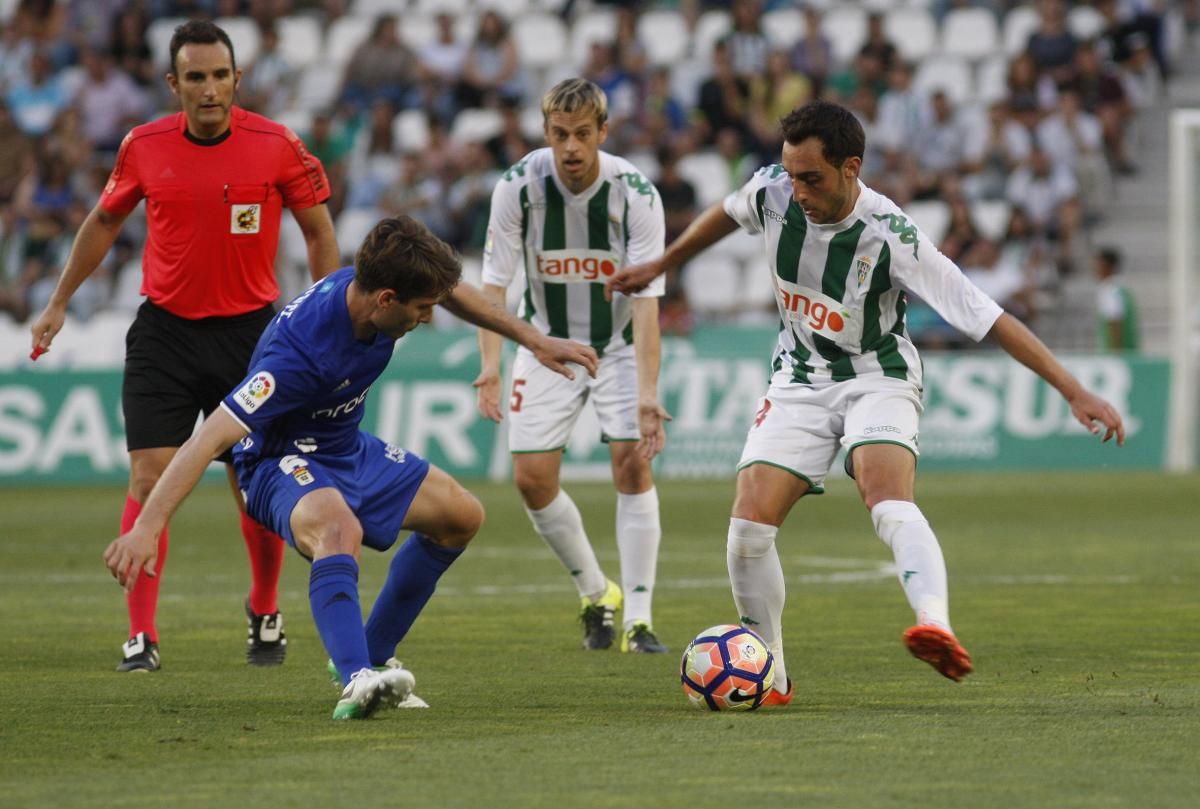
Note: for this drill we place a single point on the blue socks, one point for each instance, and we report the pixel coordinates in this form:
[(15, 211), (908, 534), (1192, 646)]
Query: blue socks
[(333, 595), (412, 577)]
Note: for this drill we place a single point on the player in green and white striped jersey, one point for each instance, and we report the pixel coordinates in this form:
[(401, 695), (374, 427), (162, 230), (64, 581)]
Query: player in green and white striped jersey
[(567, 217), (841, 259)]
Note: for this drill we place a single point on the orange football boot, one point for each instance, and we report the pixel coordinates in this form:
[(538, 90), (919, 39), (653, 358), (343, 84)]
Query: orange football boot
[(940, 649), (778, 699)]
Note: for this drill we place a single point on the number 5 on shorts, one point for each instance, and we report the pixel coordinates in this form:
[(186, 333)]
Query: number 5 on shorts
[(515, 403)]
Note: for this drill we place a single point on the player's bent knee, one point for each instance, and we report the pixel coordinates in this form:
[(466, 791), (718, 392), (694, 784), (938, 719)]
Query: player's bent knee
[(464, 521), (750, 539)]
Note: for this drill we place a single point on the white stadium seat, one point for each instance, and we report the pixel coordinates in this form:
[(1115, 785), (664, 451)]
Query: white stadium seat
[(950, 74), (971, 33), (756, 296), (353, 225), (243, 33), (709, 175), (664, 36), (1085, 22), (508, 9), (991, 79), (541, 40), (410, 130), (343, 39), (711, 282), (432, 7), (300, 40), (711, 26), (598, 25), (913, 31), (158, 37), (1019, 23), (846, 27), (932, 217), (299, 120), (991, 217), (476, 125), (373, 8), (317, 87), (783, 27)]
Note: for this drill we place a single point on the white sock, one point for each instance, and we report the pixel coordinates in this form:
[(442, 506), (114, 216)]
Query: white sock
[(919, 562), (758, 589), (638, 536), (561, 525)]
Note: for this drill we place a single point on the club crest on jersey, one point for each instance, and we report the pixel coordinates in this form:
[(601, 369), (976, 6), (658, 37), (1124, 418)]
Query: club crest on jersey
[(576, 266), (257, 390), (863, 265), (245, 218)]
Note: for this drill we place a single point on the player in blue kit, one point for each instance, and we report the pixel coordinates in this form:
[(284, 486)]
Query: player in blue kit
[(309, 473)]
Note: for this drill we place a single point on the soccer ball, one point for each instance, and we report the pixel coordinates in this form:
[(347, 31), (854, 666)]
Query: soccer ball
[(727, 668)]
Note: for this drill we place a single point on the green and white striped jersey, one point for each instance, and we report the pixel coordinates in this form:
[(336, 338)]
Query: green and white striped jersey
[(569, 244), (841, 288)]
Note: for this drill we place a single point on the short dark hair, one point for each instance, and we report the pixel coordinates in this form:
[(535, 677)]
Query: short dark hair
[(403, 255), (840, 133), (199, 32), (1111, 257)]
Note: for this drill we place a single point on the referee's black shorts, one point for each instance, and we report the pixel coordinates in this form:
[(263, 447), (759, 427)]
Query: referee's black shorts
[(176, 369)]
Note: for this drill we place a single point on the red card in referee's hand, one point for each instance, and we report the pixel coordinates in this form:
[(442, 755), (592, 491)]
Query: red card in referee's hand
[(38, 351)]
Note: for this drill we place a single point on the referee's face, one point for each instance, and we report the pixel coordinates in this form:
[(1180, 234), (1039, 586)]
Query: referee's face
[(205, 81)]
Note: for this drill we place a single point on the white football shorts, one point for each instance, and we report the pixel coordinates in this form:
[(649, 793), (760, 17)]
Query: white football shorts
[(544, 405), (800, 428)]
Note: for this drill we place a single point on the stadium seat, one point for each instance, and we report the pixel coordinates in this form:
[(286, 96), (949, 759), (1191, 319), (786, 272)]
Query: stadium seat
[(783, 27), (1085, 22), (158, 38), (410, 130), (476, 125), (846, 28), (708, 174), (429, 8), (353, 225), (373, 8), (991, 217), (541, 40), (597, 25), (243, 33), (532, 125), (913, 31), (127, 292), (300, 39), (645, 161), (1019, 24), (756, 296), (741, 246), (299, 119), (932, 217), (664, 36), (508, 9), (343, 38), (317, 87), (711, 26), (950, 74), (970, 33), (416, 30), (991, 79), (711, 282)]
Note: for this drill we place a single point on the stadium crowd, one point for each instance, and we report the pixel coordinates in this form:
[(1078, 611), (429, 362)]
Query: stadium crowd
[(1001, 128)]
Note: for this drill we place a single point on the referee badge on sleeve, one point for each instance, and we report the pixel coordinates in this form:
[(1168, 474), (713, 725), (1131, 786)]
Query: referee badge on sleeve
[(245, 218)]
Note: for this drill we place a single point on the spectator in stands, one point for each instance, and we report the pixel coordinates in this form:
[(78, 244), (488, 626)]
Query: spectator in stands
[(605, 70), (658, 109), (382, 68), (677, 194), (419, 192), (878, 43), (813, 54), (774, 94), (746, 43), (1102, 94), (372, 163), (108, 100), (16, 155), (724, 98), (15, 53), (1117, 310), (130, 51), (1052, 45), (1073, 137), (1028, 90), (1004, 281), (267, 85), (1126, 24), (36, 99), (441, 64), (866, 71), (1003, 146), (630, 54), (510, 144), (468, 198), (741, 158), (961, 232), (941, 150), (492, 68), (331, 141), (1049, 195), (1139, 74)]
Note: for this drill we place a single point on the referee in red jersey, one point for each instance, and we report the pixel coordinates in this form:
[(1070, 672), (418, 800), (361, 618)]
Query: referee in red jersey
[(215, 179)]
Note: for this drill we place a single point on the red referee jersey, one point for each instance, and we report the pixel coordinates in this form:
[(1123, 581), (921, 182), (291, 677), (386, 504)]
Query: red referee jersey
[(213, 211)]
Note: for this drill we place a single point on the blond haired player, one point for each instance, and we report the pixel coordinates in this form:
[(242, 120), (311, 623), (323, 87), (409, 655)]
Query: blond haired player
[(567, 217)]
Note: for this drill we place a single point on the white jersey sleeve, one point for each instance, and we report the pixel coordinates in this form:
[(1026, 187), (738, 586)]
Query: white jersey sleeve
[(647, 230), (938, 281), (502, 251), (742, 205)]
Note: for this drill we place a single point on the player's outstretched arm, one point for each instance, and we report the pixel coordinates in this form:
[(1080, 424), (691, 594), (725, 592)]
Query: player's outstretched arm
[(96, 235), (1088, 408), (135, 552), (489, 380), (319, 236), (704, 231), (652, 416), (555, 353)]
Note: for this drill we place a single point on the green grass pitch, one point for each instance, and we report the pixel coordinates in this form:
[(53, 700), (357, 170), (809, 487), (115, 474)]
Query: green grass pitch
[(1075, 593)]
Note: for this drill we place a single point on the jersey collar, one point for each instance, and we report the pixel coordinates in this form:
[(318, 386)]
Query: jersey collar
[(236, 115)]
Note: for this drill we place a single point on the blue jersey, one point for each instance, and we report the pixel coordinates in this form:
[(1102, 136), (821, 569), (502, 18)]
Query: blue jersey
[(308, 379)]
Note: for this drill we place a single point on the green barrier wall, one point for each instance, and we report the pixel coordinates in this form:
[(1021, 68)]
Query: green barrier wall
[(983, 411)]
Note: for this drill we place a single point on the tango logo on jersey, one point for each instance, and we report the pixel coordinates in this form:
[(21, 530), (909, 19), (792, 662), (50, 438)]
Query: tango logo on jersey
[(576, 266), (245, 218), (251, 396), (863, 265), (817, 313)]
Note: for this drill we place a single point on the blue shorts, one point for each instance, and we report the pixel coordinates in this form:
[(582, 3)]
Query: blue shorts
[(378, 482)]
